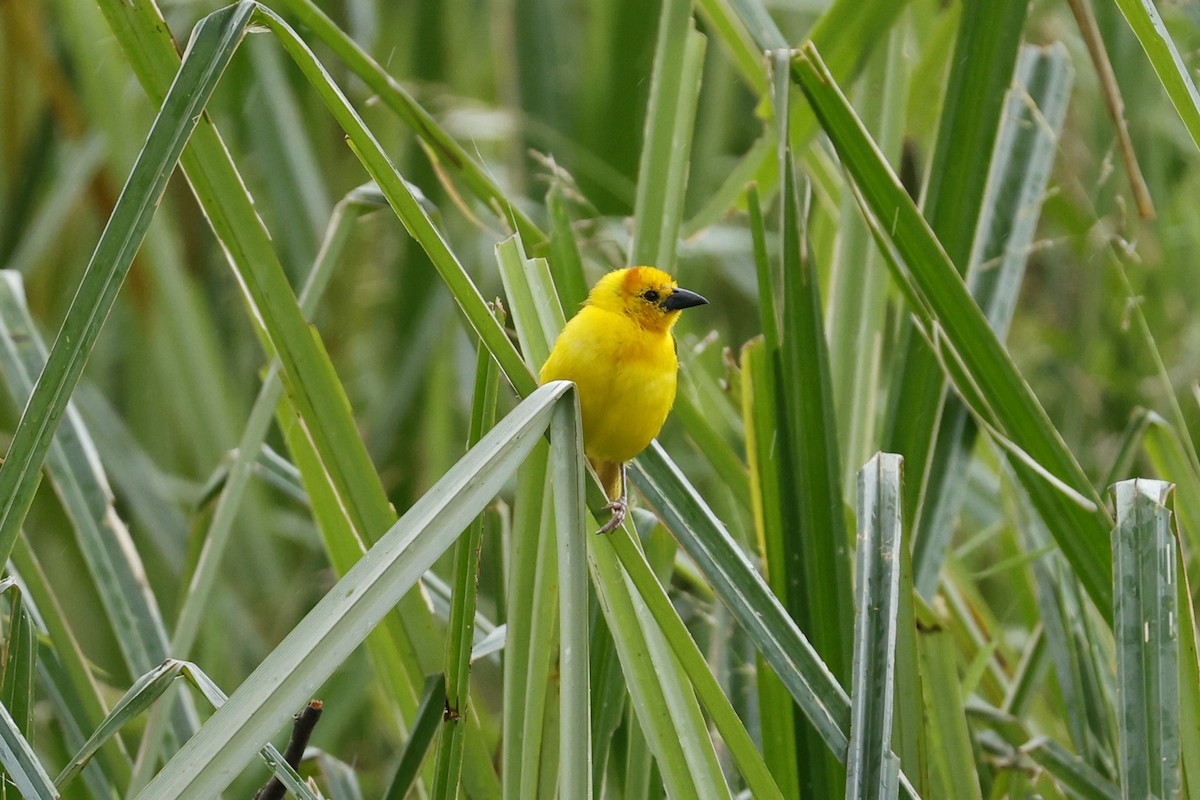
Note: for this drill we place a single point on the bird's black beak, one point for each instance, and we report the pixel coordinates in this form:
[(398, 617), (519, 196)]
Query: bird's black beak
[(682, 298)]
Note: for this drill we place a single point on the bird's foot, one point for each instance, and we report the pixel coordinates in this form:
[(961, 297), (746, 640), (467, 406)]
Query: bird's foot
[(619, 509)]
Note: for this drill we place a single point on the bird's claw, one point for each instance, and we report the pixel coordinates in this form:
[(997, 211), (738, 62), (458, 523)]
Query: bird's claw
[(619, 509)]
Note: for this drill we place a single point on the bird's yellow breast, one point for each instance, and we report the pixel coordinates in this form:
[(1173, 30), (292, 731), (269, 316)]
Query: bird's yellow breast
[(625, 376)]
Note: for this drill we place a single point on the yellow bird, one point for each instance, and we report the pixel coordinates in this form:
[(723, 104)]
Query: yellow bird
[(620, 353)]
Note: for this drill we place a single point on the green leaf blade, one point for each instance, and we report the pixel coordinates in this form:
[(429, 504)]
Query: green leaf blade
[(872, 770), (1147, 639)]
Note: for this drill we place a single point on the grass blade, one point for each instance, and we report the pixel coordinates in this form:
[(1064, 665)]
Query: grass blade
[(871, 769), (952, 763), (817, 571), (21, 764), (72, 463), (461, 618), (1147, 639), (19, 660), (66, 672), (745, 755), (529, 652), (1019, 172), (1081, 656), (986, 49), (575, 747), (648, 688), (537, 315), (942, 297), (420, 736), (1173, 73), (819, 552), (339, 623), (780, 745), (77, 477), (667, 145), (565, 260), (910, 732), (144, 692), (858, 291)]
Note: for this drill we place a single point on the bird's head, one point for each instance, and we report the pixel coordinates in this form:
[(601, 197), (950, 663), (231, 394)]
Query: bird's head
[(647, 295)]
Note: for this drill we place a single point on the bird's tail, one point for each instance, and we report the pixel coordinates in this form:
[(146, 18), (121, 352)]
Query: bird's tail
[(609, 473)]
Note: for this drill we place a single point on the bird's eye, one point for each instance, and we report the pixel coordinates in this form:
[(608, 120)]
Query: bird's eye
[(650, 295)]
